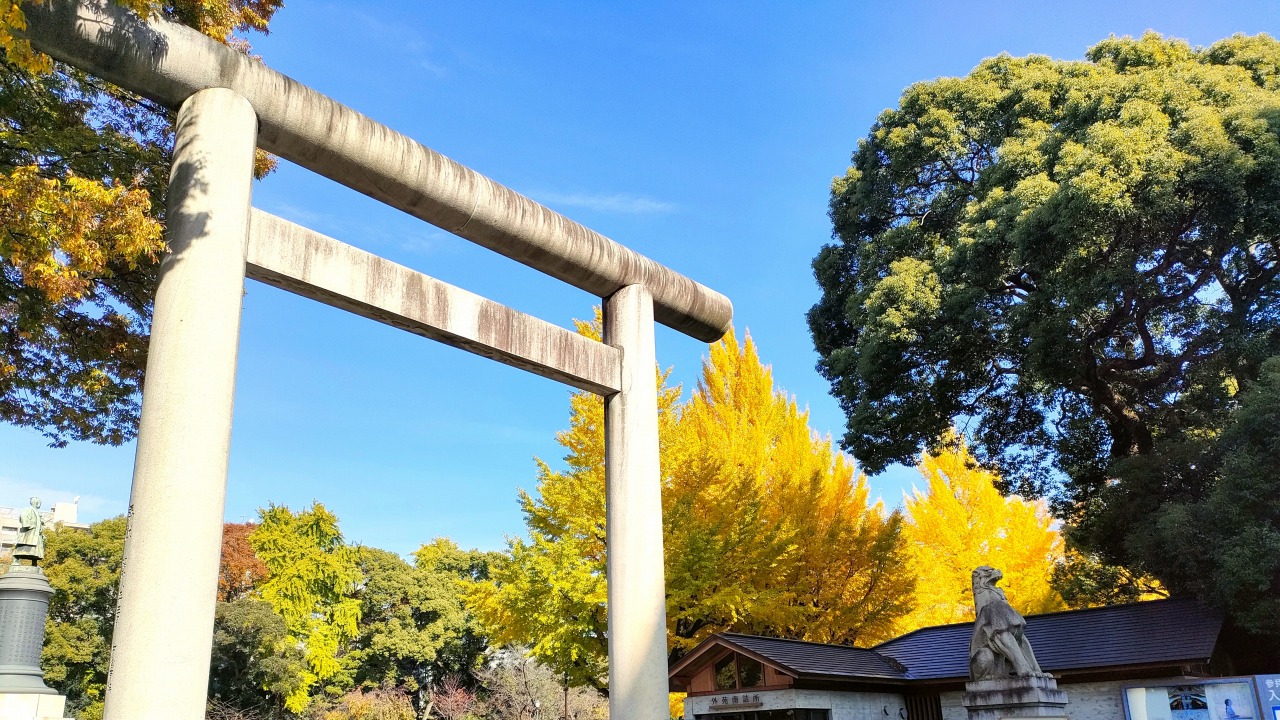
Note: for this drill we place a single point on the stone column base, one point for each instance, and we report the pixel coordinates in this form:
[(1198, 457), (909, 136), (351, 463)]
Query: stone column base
[(31, 706), (24, 603), (1012, 698)]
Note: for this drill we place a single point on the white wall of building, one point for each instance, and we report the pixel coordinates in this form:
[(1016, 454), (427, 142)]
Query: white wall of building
[(1085, 701), (843, 705)]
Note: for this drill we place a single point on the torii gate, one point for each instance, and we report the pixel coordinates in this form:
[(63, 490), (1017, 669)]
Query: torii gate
[(227, 104)]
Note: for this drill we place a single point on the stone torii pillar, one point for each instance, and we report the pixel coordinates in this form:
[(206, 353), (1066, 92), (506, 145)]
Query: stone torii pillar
[(169, 578), (633, 514)]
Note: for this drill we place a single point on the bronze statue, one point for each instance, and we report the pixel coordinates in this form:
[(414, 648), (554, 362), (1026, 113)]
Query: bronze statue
[(30, 543)]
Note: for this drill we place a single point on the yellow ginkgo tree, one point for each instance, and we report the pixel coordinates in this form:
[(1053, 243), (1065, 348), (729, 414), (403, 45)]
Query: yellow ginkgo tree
[(312, 578), (960, 521), (767, 529)]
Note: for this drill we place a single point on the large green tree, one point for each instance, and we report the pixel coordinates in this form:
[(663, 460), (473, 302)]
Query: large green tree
[(1076, 259), (1221, 542), (84, 570), (447, 569), (312, 616), (83, 171), (414, 630), (254, 666)]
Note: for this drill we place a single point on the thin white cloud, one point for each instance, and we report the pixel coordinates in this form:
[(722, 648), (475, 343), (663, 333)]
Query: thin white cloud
[(609, 203), (361, 232), (92, 507), (436, 70), (320, 222), (402, 38)]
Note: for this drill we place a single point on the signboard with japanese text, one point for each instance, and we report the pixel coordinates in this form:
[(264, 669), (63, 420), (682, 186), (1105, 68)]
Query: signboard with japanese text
[(1268, 695)]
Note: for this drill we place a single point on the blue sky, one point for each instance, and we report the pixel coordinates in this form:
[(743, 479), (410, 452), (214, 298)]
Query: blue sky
[(704, 135)]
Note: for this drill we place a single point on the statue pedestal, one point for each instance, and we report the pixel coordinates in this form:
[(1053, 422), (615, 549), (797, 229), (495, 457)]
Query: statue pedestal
[(1014, 699), (29, 706), (24, 603)]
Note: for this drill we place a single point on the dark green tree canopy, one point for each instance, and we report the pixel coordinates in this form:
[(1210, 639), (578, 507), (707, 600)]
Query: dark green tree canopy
[(1073, 258), (1215, 531), (253, 666), (415, 629)]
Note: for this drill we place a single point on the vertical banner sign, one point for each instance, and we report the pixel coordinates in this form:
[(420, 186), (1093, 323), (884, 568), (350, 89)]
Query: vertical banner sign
[(1268, 696)]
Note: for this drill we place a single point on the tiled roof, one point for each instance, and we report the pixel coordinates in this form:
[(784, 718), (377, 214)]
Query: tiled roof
[(1162, 632), (815, 659), (1147, 633)]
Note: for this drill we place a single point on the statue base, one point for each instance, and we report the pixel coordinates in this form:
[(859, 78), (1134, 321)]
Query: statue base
[(1015, 698), (24, 602), (30, 706)]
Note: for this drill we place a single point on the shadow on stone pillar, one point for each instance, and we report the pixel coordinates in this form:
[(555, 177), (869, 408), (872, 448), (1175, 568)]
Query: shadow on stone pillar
[(24, 603)]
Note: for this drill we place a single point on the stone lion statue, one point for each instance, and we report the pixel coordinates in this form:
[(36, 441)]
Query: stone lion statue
[(999, 648)]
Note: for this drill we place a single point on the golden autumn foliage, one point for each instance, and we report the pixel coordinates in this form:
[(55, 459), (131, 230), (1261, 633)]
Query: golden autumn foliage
[(84, 168), (16, 48), (311, 580), (219, 19), (60, 234), (767, 529), (676, 702), (548, 591), (770, 529), (960, 522)]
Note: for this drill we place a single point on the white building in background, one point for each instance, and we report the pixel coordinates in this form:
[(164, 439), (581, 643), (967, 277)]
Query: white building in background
[(64, 514)]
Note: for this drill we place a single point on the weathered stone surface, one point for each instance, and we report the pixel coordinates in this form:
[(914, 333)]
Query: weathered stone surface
[(1099, 700), (169, 577), (168, 62), (999, 648), (1015, 697), (303, 261), (633, 516), (1006, 681)]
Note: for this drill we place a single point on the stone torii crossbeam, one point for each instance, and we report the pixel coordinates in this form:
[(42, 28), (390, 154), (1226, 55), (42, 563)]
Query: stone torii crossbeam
[(227, 105)]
